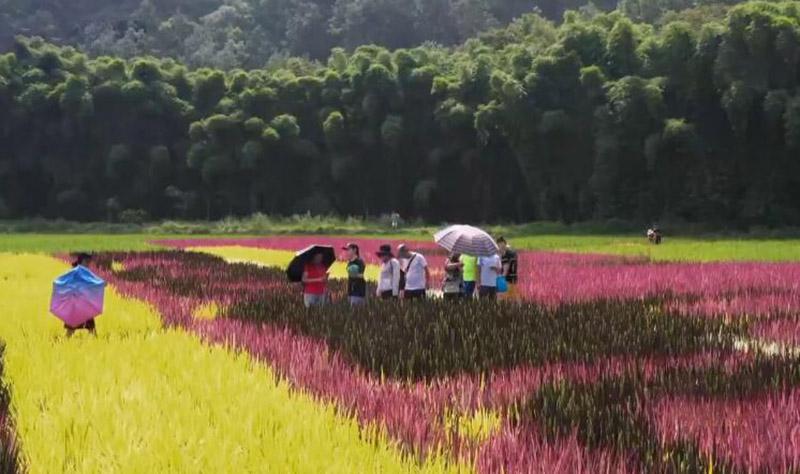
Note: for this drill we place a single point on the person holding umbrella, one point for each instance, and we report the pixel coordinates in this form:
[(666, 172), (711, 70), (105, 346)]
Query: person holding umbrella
[(389, 279), (315, 279), (78, 297), (471, 241), (310, 267)]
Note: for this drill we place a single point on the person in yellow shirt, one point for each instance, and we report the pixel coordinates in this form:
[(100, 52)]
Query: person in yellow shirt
[(470, 269)]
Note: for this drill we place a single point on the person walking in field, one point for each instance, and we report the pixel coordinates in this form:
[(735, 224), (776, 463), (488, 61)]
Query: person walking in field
[(356, 283), (315, 279), (489, 268), (452, 287), (469, 267), (389, 278), (509, 260), (416, 277), (80, 261)]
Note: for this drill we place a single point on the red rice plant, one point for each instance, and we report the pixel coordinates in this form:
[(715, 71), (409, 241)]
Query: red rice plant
[(9, 449), (760, 434), (554, 278)]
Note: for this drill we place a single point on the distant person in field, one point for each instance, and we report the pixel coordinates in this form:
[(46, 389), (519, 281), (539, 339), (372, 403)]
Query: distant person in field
[(452, 286), (81, 260), (416, 276), (489, 268), (654, 235), (356, 283), (395, 217), (509, 260), (469, 267), (315, 279), (389, 278)]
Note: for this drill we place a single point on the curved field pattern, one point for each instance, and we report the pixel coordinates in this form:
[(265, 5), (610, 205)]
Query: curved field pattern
[(329, 356), (604, 364)]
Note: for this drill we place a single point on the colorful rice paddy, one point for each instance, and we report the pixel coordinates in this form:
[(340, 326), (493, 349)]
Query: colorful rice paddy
[(206, 361)]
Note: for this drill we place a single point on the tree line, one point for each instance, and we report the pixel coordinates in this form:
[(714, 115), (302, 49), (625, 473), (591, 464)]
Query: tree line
[(596, 118), (252, 33)]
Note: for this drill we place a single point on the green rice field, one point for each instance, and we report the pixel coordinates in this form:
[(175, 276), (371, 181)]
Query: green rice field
[(703, 249)]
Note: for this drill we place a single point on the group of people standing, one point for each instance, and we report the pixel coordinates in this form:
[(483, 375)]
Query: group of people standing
[(407, 275), (488, 276)]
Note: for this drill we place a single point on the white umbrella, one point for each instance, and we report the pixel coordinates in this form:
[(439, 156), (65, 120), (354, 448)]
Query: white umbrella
[(466, 239)]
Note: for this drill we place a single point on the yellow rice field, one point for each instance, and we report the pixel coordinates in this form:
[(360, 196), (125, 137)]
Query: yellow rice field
[(142, 399)]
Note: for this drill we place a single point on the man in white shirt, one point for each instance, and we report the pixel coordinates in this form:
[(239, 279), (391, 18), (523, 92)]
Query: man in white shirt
[(389, 280), (417, 274), (489, 269)]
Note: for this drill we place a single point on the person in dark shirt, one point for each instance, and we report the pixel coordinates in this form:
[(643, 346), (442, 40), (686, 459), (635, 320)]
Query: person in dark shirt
[(356, 283), (509, 260)]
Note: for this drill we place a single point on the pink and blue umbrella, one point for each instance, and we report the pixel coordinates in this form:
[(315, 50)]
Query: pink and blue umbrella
[(77, 296)]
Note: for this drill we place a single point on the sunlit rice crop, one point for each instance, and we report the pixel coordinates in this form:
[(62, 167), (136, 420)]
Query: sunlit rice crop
[(208, 310), (139, 398), (477, 426)]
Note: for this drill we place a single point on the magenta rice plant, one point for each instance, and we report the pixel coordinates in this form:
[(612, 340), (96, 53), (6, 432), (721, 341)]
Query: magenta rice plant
[(559, 278), (9, 449), (760, 434), (523, 449), (555, 278), (785, 332)]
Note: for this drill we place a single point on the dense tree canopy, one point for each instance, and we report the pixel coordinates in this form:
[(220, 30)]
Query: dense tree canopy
[(598, 117), (250, 33)]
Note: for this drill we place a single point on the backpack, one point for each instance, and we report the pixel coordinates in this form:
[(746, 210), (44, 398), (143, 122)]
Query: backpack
[(403, 272)]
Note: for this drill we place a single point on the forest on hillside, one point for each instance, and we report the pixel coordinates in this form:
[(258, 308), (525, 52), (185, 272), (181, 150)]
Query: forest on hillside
[(598, 116), (255, 33)]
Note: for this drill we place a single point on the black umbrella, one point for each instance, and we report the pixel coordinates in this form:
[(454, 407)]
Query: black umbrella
[(301, 258)]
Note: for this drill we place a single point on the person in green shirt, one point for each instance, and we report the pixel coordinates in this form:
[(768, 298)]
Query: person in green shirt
[(470, 269)]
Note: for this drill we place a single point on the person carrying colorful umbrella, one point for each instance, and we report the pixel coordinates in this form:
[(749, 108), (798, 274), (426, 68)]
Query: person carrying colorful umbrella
[(468, 240), (78, 297)]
